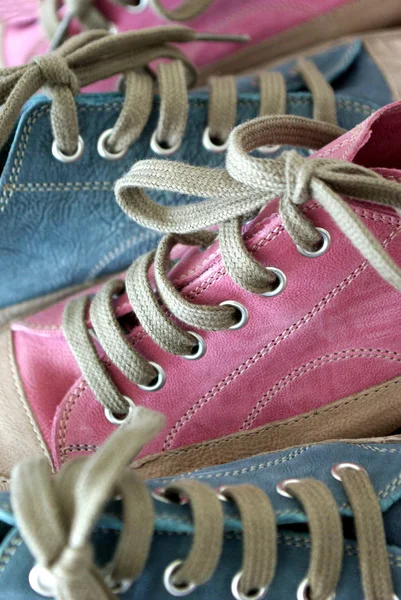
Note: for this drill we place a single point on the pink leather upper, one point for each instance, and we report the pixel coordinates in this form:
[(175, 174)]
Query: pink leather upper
[(24, 37), (332, 332)]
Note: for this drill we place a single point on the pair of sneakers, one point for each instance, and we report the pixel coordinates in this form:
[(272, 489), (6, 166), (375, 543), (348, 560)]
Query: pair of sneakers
[(280, 331)]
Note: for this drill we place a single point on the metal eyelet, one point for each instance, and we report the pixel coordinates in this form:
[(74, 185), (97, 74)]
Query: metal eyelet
[(221, 495), (159, 149), (160, 495), (281, 282), (244, 315), (256, 594), (174, 590), (68, 158), (211, 146), (199, 348), (42, 582), (282, 485), (323, 247), (269, 149), (139, 7), (304, 589), (336, 469), (159, 380), (102, 147), (118, 587), (115, 419)]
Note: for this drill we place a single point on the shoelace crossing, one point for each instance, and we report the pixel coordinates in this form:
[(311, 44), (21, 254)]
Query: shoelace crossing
[(243, 189), (73, 501), (97, 55), (91, 17)]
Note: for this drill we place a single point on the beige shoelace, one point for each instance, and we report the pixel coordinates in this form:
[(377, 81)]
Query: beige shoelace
[(97, 55), (233, 194), (91, 17), (57, 514)]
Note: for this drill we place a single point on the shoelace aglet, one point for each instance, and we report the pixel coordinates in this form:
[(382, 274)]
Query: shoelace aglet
[(62, 30), (222, 37)]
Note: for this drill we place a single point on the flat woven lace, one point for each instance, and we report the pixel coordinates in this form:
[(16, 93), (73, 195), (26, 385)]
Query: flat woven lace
[(97, 55), (243, 189), (57, 514)]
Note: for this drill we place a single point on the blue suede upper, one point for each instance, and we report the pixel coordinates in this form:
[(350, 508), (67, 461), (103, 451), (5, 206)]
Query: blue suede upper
[(174, 529), (60, 223)]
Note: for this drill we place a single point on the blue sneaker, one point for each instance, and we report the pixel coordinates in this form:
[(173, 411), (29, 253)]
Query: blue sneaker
[(315, 521), (60, 225)]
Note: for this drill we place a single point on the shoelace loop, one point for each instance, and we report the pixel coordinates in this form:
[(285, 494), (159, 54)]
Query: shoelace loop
[(74, 499)]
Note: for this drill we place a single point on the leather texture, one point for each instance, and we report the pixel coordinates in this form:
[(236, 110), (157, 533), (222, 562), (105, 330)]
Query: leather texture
[(25, 38), (374, 412), (174, 528), (60, 225), (332, 333)]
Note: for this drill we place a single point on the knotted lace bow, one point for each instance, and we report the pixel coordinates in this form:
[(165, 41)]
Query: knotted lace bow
[(57, 514), (249, 183), (87, 58)]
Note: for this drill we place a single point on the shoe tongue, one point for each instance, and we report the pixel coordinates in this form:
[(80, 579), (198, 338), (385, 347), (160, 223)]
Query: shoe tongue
[(375, 143)]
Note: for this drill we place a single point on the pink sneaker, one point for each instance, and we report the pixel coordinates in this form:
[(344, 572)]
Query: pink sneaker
[(279, 28), (293, 337)]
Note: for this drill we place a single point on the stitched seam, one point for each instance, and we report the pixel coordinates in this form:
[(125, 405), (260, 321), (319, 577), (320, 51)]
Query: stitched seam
[(238, 371), (11, 185), (256, 357), (14, 543), (116, 251), (311, 366), (74, 397), (293, 421)]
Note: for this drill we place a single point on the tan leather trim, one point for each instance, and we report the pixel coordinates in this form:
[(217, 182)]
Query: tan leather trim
[(20, 437), (357, 16), (372, 413), (385, 49)]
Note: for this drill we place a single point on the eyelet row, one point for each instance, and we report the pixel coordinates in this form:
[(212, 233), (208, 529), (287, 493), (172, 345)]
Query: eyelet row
[(156, 146), (303, 591), (42, 582), (199, 349), (159, 494)]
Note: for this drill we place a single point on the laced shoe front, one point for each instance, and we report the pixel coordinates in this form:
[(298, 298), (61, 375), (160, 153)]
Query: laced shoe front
[(258, 535), (58, 213), (266, 322)]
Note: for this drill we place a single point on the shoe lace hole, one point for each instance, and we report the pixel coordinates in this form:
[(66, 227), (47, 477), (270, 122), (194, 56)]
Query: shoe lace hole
[(162, 148), (158, 382), (212, 144), (119, 418), (279, 283), (199, 348), (320, 248), (178, 590), (104, 149), (252, 594), (240, 312), (68, 158), (137, 6)]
